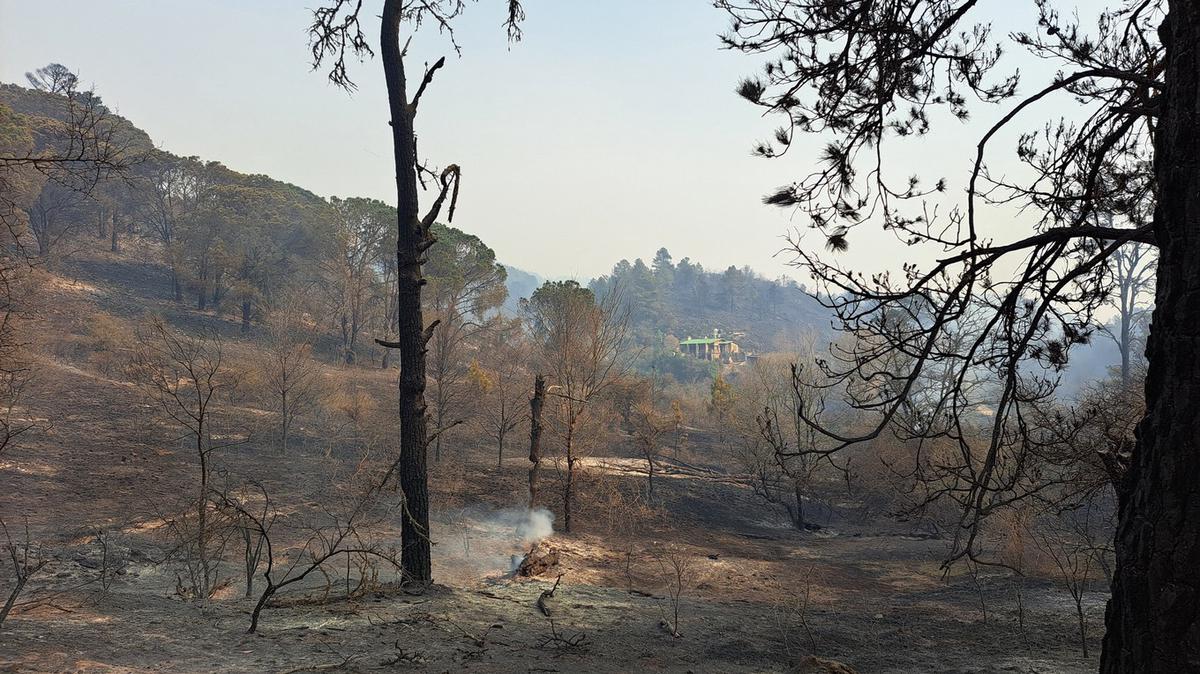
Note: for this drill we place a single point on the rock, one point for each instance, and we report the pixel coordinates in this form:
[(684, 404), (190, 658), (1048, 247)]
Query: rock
[(541, 559), (813, 665)]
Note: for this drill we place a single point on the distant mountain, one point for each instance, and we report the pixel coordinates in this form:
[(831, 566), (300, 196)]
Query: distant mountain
[(521, 285)]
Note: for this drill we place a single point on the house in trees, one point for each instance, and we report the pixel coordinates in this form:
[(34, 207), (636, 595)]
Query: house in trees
[(712, 348)]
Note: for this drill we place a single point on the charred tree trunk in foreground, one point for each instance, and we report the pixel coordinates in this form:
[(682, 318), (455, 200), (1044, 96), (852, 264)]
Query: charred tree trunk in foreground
[(1153, 619), (410, 342)]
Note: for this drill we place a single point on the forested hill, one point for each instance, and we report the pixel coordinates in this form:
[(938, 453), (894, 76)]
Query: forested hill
[(246, 246), (242, 243), (682, 299)]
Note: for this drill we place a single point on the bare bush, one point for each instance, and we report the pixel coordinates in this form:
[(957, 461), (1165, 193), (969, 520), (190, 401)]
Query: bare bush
[(26, 560), (649, 430), (287, 367), (791, 604), (678, 577), (341, 531), (186, 375)]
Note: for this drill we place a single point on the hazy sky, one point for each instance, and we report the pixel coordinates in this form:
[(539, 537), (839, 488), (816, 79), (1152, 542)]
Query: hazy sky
[(609, 131)]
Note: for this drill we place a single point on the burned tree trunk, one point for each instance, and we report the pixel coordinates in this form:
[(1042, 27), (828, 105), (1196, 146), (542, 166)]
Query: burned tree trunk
[(410, 243), (798, 513), (115, 245), (535, 434), (1153, 618), (569, 481)]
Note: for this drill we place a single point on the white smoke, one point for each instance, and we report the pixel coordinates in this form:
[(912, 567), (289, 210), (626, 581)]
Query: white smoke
[(535, 525), (476, 543)]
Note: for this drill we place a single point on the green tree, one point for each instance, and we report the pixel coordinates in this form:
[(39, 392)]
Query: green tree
[(465, 285), (361, 234)]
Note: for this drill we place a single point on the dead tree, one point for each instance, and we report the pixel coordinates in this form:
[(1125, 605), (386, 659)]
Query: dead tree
[(582, 344), (535, 434), (796, 447), (499, 376), (1133, 278), (288, 368), (26, 560), (677, 570), (869, 74), (345, 533), (185, 375), (649, 427), (335, 34)]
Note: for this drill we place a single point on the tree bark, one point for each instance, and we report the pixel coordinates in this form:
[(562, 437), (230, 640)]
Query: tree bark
[(245, 316), (115, 245), (202, 287), (569, 483), (286, 427), (798, 514), (535, 434), (414, 535), (347, 351), (1153, 618), (1126, 337), (22, 578), (203, 588), (439, 398)]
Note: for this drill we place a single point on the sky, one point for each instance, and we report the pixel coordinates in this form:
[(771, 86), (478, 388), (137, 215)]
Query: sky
[(609, 131)]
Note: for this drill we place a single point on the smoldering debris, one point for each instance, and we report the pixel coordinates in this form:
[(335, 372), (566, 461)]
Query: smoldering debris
[(541, 559)]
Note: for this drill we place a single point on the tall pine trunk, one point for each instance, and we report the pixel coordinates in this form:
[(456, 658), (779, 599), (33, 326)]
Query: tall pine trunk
[(414, 534), (1153, 619)]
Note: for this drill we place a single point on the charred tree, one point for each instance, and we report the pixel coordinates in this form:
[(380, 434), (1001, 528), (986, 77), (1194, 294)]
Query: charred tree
[(411, 241), (535, 434), (1153, 618), (867, 72), (335, 33)]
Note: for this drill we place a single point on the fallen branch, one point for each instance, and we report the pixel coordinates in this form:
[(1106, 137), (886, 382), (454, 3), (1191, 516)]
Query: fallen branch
[(575, 643), (324, 668), (547, 595)]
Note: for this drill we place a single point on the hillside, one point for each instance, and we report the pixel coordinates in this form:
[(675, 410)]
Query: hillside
[(101, 483), (520, 285), (686, 300)]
